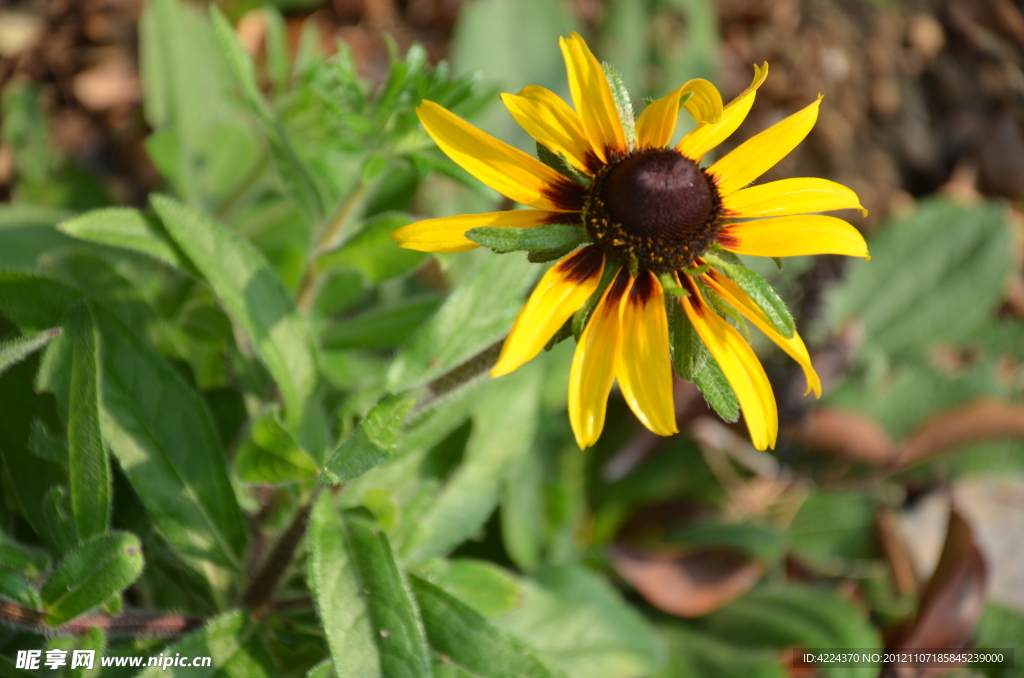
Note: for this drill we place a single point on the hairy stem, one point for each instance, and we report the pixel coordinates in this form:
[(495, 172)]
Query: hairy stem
[(135, 625), (258, 596)]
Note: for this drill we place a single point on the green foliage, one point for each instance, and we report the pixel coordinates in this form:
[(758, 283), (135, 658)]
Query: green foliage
[(97, 569), (269, 454), (244, 407), (960, 264), (370, 617)]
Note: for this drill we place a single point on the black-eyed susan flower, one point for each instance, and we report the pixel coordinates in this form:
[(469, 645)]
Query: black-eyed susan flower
[(657, 225)]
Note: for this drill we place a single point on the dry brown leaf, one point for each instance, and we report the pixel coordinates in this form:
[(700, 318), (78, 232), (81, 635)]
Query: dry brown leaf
[(954, 598), (691, 584)]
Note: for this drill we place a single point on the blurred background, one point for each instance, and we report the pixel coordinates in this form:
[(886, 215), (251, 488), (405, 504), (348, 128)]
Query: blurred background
[(901, 491)]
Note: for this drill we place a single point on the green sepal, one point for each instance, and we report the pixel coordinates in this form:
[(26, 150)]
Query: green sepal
[(778, 262), (759, 290), (544, 256), (669, 285), (559, 163), (692, 361), (622, 102), (698, 270), (548, 237), (579, 320)]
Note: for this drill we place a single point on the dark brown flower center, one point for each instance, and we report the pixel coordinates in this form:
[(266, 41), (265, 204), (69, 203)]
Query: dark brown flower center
[(655, 205)]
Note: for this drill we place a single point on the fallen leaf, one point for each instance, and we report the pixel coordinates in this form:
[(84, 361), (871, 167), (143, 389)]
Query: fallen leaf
[(691, 584), (954, 598)]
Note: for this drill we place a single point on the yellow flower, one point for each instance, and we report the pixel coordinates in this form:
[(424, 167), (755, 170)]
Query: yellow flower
[(652, 212)]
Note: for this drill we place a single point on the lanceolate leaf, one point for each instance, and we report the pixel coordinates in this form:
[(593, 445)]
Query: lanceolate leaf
[(163, 437), (469, 641), (130, 229), (549, 237), (16, 350), (89, 467), (270, 455), (96, 570), (763, 294), (372, 442), (254, 295), (370, 618)]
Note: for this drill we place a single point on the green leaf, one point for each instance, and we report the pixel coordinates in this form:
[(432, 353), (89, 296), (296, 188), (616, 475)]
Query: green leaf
[(373, 252), (26, 233), (692, 361), (253, 295), (162, 435), (293, 171), (28, 561), (483, 586), (523, 510), (95, 570), (700, 654), (94, 640), (504, 422), (579, 624), (469, 641), (832, 526), (89, 466), (33, 302), (548, 237), (13, 587), (206, 151), (15, 350), (229, 642), (129, 229), (760, 291), (785, 617), (269, 454), (324, 669), (381, 327), (937, 276), (369, 616), (372, 442), (478, 313)]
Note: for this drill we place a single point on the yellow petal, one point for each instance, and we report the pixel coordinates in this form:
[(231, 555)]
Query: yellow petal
[(447, 234), (701, 140), (550, 121), (560, 293), (507, 170), (741, 368), (594, 364), (657, 123), (790, 196), (793, 237), (592, 96), (645, 367), (705, 102), (741, 301), (758, 154)]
